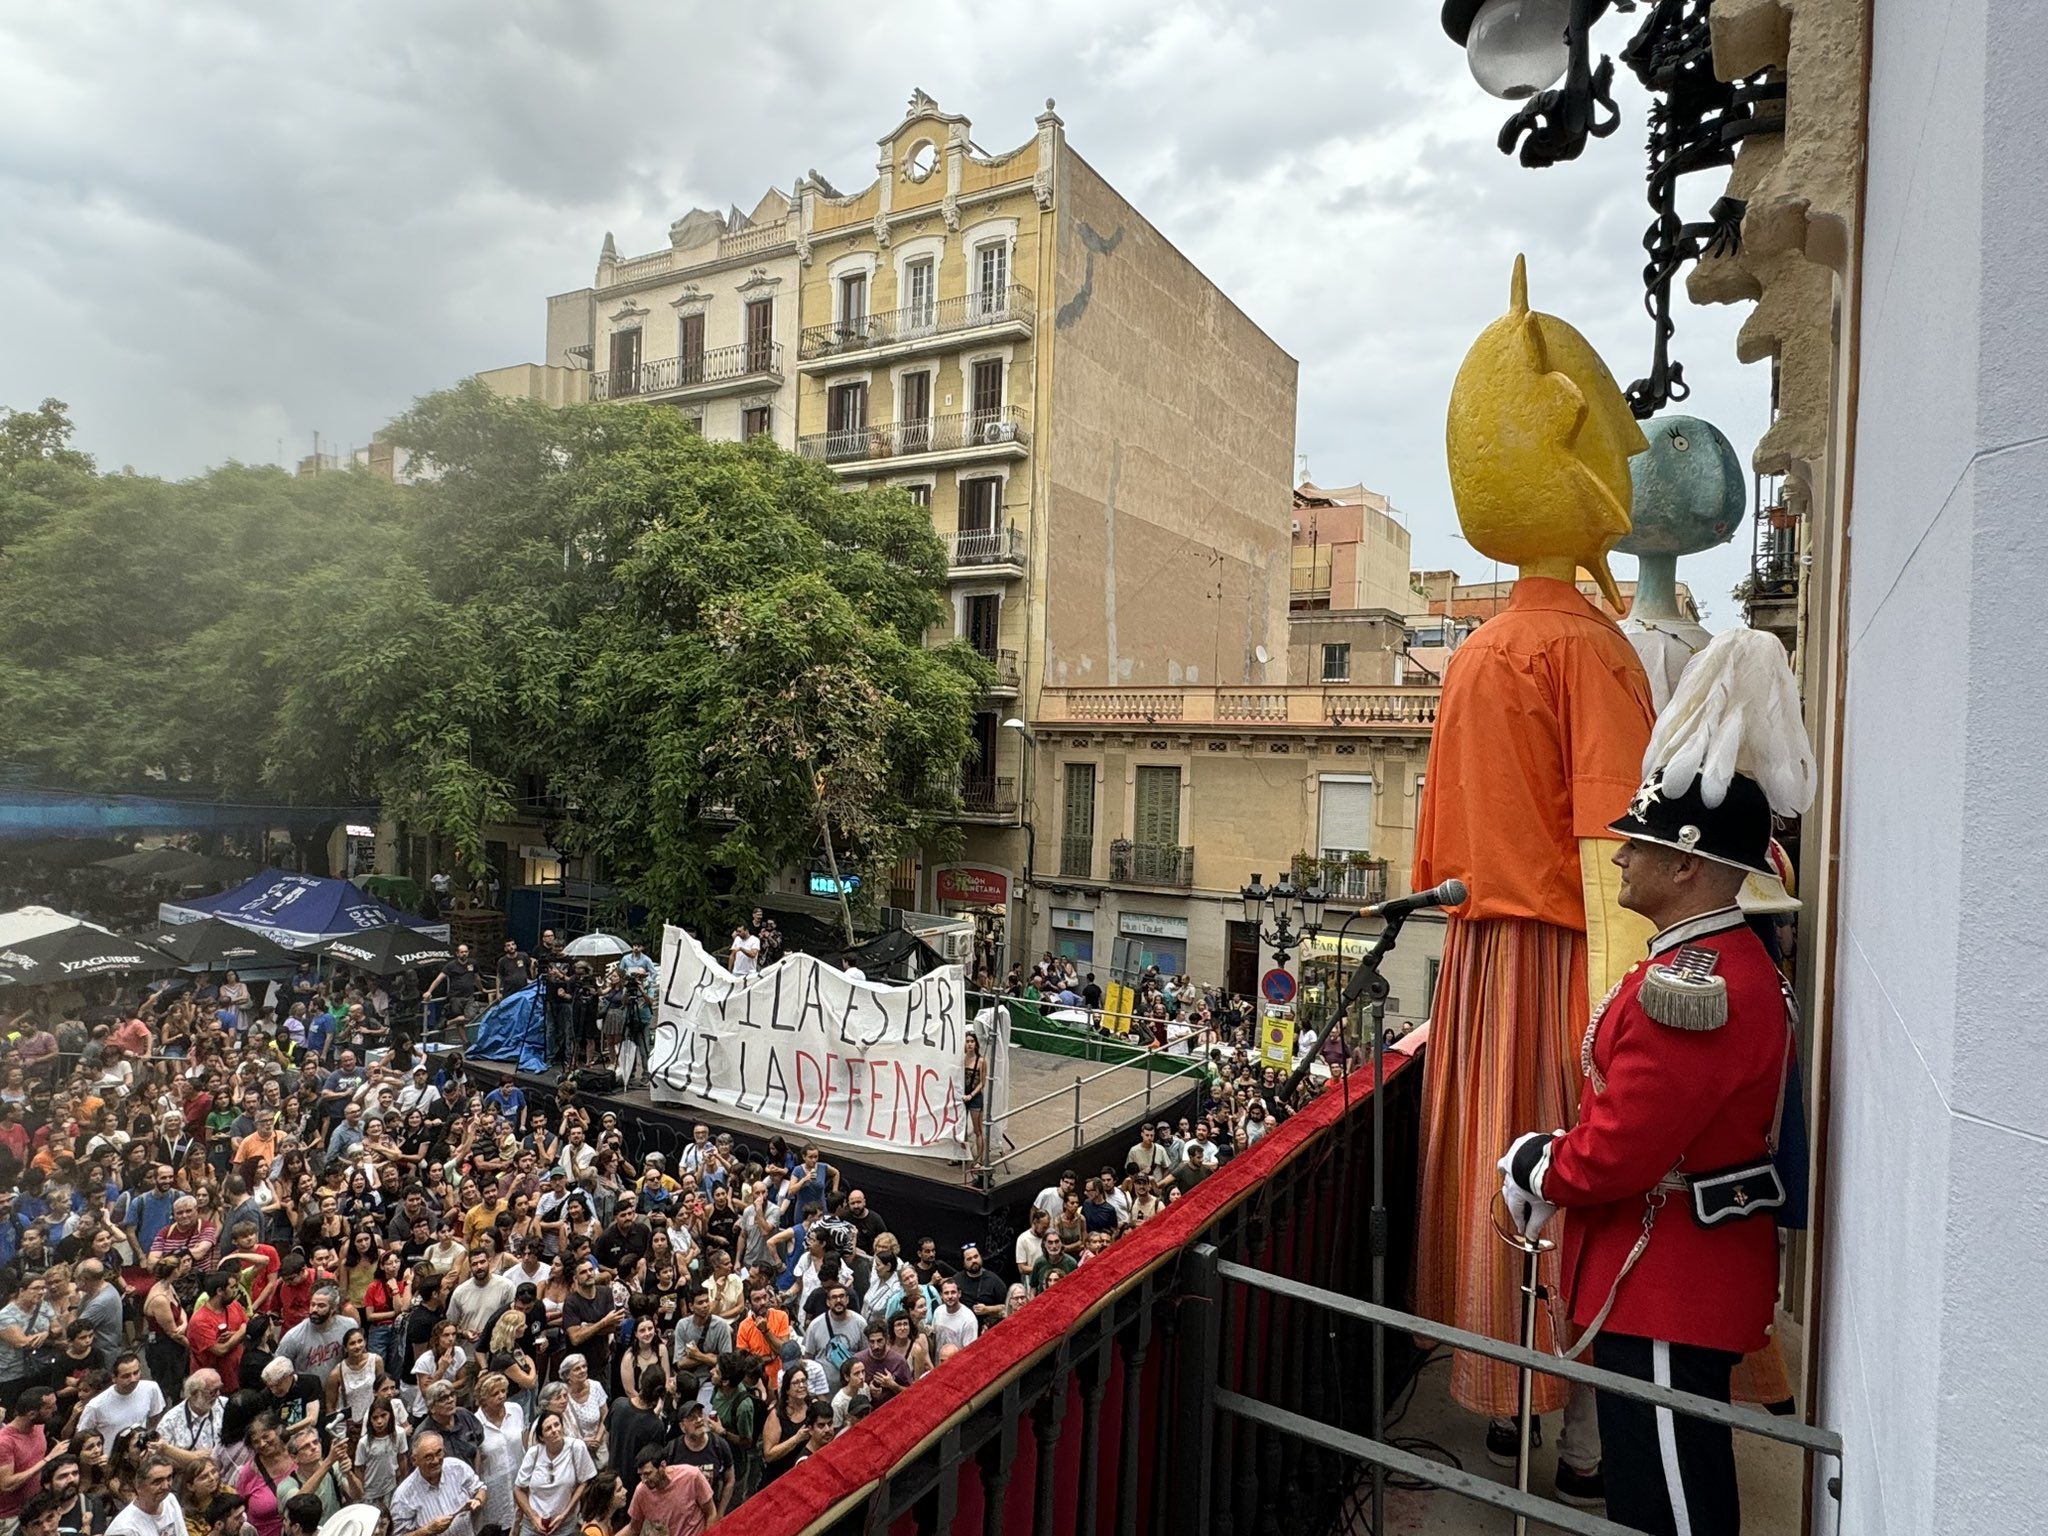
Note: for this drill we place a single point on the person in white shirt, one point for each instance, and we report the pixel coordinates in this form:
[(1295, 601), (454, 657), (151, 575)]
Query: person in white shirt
[(154, 1511), (1031, 1244), (418, 1094), (954, 1325), (551, 1474), (1053, 1198), (478, 1299), (746, 952), (191, 1431), (442, 1495), (579, 1157), (128, 1402)]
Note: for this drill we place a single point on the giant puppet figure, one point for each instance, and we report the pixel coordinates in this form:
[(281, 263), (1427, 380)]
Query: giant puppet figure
[(1538, 746), (1689, 492)]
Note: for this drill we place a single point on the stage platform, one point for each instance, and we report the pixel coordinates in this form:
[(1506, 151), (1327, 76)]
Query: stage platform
[(929, 1197)]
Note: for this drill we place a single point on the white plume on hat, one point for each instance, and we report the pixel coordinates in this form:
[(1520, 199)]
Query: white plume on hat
[(1735, 710)]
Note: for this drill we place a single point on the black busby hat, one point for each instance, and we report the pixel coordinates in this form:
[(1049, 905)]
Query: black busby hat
[(1736, 832)]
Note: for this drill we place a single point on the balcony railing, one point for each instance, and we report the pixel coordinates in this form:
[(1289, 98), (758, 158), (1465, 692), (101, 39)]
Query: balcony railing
[(985, 546), (1343, 880), (971, 794), (1008, 674), (1310, 704), (964, 430), (665, 375), (939, 317), (1084, 1411), (1077, 856), (1151, 864)]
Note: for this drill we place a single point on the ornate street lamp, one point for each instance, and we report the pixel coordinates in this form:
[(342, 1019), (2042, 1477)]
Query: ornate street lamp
[(1519, 50), (1284, 914)]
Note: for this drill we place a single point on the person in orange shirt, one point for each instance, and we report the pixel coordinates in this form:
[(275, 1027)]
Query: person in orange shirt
[(258, 1148), (765, 1332)]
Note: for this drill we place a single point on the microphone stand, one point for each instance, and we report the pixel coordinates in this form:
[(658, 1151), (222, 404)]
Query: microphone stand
[(1367, 983)]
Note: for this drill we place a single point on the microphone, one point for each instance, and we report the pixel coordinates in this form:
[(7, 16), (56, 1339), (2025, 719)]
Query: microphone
[(1451, 893)]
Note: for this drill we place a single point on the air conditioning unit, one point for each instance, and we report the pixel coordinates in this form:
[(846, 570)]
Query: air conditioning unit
[(1294, 525), (999, 432)]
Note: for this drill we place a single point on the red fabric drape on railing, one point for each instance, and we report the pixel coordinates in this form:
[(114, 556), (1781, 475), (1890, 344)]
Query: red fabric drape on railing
[(893, 1433)]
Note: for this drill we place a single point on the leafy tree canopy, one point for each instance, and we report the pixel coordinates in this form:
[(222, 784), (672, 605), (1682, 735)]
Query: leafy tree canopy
[(594, 604)]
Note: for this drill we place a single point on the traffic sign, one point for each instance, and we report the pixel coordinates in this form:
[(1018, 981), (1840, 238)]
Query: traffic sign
[(1277, 985)]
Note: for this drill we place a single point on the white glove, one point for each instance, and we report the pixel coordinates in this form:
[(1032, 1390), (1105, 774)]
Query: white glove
[(1529, 1212)]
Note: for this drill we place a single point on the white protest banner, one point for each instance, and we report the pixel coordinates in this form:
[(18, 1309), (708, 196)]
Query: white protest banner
[(809, 1047)]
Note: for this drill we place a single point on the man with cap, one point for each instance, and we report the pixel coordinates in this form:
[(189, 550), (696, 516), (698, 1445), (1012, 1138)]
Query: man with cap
[(1671, 1256), (698, 1447)]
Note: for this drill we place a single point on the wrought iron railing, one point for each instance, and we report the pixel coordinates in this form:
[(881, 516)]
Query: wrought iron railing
[(1077, 856), (970, 793), (1151, 863), (985, 546), (664, 375), (936, 317), (1774, 558), (1343, 880), (963, 430), (1008, 675)]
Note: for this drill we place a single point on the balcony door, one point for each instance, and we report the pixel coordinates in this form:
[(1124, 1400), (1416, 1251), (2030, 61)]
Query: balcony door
[(1155, 824), (978, 539), (853, 306), (992, 277), (846, 420), (978, 785), (625, 358), (914, 412), (920, 298), (760, 335), (1077, 823), (981, 621), (986, 392), (690, 350)]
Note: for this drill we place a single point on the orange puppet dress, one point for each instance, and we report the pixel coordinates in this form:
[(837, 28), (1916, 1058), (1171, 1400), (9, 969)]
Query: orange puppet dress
[(1539, 742)]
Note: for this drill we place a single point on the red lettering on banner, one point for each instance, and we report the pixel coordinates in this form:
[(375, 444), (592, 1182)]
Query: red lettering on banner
[(876, 1087), (804, 1059), (905, 1094), (925, 1077), (949, 1115), (852, 1090), (825, 1097)]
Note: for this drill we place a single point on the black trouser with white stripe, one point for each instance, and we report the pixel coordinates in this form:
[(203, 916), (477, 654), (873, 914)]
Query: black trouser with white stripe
[(1667, 1473)]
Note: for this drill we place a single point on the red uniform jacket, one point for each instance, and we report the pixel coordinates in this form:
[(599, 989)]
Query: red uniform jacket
[(1659, 1096)]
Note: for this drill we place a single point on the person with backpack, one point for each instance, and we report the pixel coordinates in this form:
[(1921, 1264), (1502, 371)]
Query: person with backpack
[(835, 1335)]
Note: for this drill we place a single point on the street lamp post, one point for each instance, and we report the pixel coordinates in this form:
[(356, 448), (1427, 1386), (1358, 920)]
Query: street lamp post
[(1295, 912), (1024, 815), (1520, 50)]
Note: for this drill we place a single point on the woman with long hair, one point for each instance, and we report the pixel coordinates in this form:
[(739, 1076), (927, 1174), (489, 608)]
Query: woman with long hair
[(199, 1491), (976, 1098), (598, 1509), (360, 1261), (352, 1384), (784, 1436), (164, 1318), (270, 1463), (906, 1336), (648, 1350), (385, 1299)]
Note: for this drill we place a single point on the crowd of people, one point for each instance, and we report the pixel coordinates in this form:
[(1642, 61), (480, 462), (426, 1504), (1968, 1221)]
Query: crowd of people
[(263, 1257)]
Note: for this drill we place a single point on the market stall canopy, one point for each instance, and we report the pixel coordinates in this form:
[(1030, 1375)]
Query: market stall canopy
[(214, 944), (41, 944), (298, 911), (388, 950), (157, 864)]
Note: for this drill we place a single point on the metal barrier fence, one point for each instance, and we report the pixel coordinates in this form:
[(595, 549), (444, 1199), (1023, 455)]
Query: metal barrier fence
[(1204, 1276)]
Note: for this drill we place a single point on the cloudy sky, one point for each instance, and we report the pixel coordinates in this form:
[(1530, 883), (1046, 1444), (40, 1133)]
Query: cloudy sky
[(229, 226)]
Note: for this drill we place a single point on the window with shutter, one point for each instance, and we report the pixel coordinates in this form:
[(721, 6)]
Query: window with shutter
[(690, 350), (625, 369), (1157, 819), (1344, 814), (1077, 827)]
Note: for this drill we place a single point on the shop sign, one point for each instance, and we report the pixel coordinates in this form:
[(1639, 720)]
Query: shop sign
[(974, 887), (1150, 926), (1080, 922)]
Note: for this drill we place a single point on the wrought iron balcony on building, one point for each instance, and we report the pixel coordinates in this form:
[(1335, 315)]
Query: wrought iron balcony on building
[(986, 552), (703, 373), (963, 435), (972, 796), (918, 325), (1151, 864), (1009, 676)]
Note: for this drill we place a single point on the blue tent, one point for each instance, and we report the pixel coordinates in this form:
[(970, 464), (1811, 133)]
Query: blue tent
[(513, 1030), (298, 911)]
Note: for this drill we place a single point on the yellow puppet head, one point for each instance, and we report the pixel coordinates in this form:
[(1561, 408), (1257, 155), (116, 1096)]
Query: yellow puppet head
[(1539, 439)]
